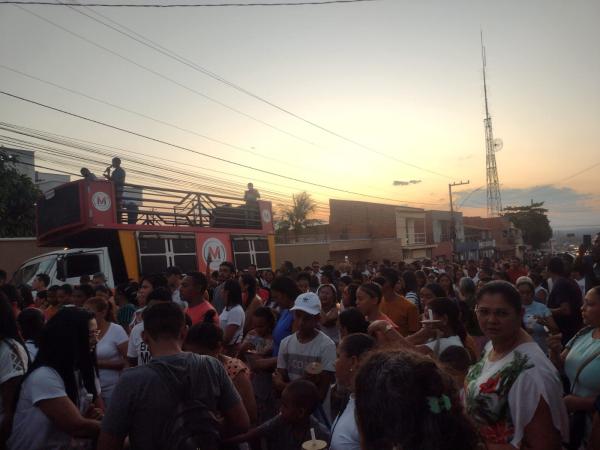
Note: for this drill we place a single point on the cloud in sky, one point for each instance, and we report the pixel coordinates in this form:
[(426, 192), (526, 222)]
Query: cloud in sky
[(565, 205)]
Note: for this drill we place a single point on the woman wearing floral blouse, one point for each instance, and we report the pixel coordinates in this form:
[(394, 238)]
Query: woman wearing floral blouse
[(513, 393)]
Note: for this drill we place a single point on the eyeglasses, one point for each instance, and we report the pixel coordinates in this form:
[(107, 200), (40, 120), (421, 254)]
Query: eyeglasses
[(498, 313)]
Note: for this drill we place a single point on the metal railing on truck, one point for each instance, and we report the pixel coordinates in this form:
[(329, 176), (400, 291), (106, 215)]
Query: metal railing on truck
[(145, 205)]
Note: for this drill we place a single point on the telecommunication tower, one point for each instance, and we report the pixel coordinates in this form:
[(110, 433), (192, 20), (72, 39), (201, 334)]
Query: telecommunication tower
[(494, 202)]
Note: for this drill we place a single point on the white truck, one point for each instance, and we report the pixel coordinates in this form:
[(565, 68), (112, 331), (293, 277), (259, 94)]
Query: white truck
[(66, 266)]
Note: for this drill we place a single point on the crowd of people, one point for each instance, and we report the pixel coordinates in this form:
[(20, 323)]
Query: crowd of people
[(372, 356)]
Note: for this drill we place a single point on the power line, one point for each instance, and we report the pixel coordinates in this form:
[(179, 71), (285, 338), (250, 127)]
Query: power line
[(64, 162), (219, 78), (99, 148), (160, 141), (145, 116), (164, 77), (136, 113), (186, 5), (218, 186)]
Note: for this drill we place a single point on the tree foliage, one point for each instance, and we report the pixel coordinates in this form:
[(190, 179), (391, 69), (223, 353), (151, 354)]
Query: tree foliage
[(296, 217), (18, 195), (532, 220)]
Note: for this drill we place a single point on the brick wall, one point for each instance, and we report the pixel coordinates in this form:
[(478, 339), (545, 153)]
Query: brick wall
[(361, 219)]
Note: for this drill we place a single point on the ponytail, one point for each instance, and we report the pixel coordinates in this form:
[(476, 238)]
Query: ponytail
[(448, 308)]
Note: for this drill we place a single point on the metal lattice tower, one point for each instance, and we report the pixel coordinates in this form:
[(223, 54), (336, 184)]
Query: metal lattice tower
[(494, 202)]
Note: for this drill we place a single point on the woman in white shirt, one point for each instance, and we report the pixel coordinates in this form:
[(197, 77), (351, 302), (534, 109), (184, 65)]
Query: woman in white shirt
[(351, 352), (233, 317), (513, 394), (56, 397), (442, 329), (111, 349), (13, 365)]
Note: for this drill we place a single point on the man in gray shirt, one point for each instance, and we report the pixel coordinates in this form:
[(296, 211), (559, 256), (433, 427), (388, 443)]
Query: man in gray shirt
[(142, 403)]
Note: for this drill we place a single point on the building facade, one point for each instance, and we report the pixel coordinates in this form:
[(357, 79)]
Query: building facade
[(498, 233), (25, 164), (362, 231)]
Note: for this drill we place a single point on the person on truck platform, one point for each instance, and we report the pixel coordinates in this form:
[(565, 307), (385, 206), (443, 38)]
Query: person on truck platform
[(87, 175), (118, 179), (118, 174), (251, 196)]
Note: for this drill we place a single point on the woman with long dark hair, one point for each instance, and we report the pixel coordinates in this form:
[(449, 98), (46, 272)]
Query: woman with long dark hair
[(13, 365), (405, 401), (251, 300), (233, 317), (441, 330), (351, 352), (111, 349), (147, 285), (411, 287), (57, 394), (450, 331), (429, 292), (447, 284)]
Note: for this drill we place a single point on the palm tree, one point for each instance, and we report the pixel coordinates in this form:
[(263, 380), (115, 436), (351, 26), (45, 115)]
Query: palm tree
[(296, 216)]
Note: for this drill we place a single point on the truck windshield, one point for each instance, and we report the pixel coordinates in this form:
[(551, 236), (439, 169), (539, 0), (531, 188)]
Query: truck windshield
[(25, 274)]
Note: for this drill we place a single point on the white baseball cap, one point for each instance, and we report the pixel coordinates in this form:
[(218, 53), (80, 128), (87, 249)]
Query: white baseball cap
[(309, 303)]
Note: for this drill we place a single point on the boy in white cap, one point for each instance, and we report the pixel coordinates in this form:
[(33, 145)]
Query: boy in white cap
[(307, 348)]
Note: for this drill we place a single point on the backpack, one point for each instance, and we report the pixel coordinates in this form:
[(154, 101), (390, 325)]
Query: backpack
[(192, 425)]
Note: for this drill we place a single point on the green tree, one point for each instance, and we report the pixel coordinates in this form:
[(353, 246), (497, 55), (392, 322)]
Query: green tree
[(532, 220), (296, 217), (17, 200)]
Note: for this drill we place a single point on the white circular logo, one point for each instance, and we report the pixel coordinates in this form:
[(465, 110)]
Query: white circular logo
[(101, 201), (266, 216), (214, 253)]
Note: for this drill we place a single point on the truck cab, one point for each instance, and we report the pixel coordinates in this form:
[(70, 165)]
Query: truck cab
[(66, 266)]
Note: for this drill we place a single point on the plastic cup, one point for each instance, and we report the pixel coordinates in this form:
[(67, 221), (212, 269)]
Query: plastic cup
[(314, 445), (313, 368)]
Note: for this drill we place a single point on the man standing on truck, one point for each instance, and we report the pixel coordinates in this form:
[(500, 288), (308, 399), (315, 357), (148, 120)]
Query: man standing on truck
[(118, 174), (118, 178), (251, 196)]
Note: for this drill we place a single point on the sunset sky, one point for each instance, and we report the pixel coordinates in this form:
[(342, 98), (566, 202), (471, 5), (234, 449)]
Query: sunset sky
[(400, 78)]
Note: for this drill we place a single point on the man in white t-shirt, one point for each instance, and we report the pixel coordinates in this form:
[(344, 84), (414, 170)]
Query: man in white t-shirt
[(138, 352), (308, 352)]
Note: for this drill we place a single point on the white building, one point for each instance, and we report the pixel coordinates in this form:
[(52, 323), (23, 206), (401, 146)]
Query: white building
[(25, 164)]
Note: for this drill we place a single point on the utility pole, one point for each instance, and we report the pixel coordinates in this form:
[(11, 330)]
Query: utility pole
[(452, 220)]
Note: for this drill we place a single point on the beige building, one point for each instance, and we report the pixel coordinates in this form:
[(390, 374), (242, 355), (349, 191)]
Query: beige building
[(361, 231)]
